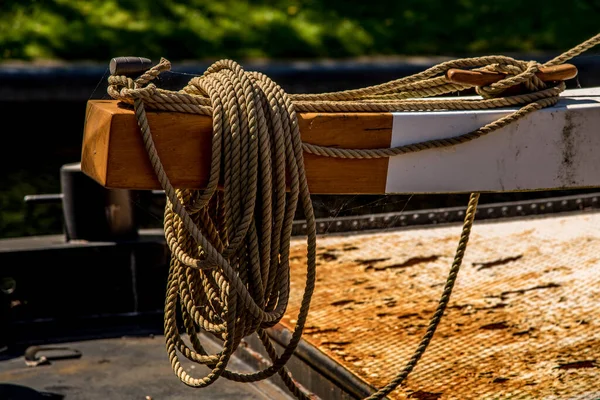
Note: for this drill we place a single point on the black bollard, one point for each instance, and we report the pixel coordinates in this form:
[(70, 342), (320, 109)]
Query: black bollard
[(93, 212)]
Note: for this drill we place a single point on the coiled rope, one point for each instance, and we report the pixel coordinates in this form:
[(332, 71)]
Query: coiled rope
[(229, 270)]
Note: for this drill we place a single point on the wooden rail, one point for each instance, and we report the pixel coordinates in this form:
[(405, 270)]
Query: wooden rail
[(555, 148)]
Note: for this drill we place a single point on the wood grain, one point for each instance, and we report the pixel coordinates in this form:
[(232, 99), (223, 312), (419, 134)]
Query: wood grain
[(113, 153)]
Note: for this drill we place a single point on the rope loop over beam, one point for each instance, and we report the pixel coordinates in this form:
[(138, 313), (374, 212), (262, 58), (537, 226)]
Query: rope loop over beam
[(230, 246)]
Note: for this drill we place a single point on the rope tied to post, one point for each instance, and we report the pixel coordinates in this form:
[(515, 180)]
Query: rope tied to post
[(230, 245)]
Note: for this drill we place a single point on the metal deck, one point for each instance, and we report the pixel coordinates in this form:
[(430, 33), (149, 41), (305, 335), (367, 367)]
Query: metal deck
[(121, 368), (523, 321)]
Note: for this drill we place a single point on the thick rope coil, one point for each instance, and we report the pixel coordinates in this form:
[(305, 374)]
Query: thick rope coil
[(229, 271)]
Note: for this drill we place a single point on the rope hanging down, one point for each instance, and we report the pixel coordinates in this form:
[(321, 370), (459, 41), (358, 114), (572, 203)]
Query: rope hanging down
[(230, 248)]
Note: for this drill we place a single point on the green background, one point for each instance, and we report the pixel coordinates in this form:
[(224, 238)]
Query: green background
[(200, 29)]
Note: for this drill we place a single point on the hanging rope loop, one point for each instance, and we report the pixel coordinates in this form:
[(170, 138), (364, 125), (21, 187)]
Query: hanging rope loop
[(230, 246)]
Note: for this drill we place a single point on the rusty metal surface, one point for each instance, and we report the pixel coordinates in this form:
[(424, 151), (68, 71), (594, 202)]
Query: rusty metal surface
[(523, 321)]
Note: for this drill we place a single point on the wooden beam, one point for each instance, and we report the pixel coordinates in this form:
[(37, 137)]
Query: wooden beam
[(113, 153), (555, 148)]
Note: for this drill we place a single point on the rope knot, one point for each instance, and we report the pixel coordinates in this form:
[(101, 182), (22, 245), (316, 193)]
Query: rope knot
[(127, 89), (518, 77), (119, 86)]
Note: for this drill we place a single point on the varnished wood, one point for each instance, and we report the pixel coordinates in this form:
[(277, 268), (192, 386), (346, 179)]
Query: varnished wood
[(480, 78), (113, 153)]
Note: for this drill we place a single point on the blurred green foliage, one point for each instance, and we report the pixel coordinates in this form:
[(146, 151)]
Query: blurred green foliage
[(202, 29), (16, 218)]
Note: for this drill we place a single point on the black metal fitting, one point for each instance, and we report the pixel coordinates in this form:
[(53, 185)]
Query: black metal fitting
[(129, 66), (93, 212)]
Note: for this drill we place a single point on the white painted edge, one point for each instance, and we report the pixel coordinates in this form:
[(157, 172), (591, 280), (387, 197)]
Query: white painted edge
[(554, 148)]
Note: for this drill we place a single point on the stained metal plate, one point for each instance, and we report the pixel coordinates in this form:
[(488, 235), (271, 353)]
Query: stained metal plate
[(523, 322), (122, 368)]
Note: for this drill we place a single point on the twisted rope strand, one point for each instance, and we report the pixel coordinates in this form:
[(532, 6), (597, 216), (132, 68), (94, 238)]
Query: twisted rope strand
[(230, 248)]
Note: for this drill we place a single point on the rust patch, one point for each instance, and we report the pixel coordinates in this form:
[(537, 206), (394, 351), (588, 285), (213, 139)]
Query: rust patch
[(459, 306), (335, 343), (342, 302), (370, 261), (496, 263), (390, 303), (493, 307), (313, 330), (408, 263), (495, 326), (579, 364), (328, 256), (550, 285), (409, 315), (525, 332), (422, 395)]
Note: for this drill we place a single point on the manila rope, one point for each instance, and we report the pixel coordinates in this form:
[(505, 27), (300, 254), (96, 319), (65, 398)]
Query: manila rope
[(229, 267)]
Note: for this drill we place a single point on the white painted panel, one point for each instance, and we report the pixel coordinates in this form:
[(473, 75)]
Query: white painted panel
[(554, 148)]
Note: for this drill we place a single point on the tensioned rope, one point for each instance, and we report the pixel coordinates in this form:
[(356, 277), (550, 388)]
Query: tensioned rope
[(229, 270)]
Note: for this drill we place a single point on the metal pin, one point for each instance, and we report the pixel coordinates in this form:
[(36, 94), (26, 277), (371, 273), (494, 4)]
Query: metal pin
[(129, 66)]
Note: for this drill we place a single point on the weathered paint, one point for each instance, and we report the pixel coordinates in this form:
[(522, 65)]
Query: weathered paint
[(554, 148)]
